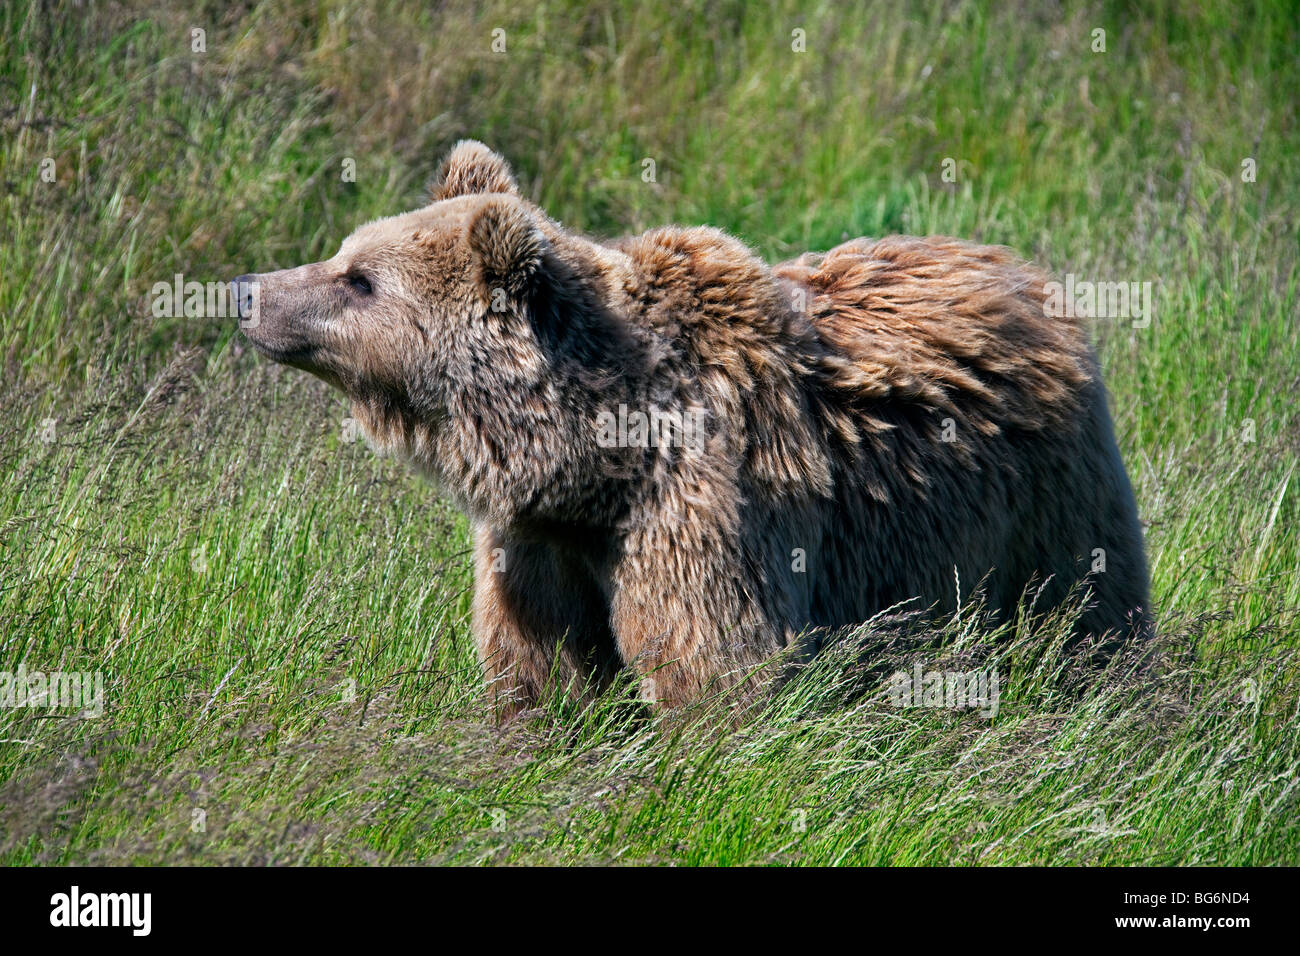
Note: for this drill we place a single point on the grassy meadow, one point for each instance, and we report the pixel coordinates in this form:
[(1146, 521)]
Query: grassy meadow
[(280, 617)]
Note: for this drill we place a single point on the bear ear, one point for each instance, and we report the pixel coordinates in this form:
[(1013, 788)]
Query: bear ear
[(507, 243), (471, 168)]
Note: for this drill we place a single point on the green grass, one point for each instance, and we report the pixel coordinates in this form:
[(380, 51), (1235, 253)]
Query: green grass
[(281, 618)]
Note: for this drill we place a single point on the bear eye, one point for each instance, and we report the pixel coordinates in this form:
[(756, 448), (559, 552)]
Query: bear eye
[(360, 282)]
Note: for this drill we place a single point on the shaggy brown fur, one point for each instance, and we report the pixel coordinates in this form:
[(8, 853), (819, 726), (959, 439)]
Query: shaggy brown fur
[(886, 422)]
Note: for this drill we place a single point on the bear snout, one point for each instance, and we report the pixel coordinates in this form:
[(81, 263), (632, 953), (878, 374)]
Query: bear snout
[(244, 295)]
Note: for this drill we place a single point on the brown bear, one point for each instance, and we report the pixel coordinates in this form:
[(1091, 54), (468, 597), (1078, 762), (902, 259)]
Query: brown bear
[(678, 459)]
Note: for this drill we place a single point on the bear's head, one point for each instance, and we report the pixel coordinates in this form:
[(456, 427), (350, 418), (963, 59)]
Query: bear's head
[(472, 335), (400, 289)]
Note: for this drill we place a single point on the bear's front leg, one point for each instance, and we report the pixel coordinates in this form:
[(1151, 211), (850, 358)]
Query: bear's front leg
[(539, 622), (684, 611)]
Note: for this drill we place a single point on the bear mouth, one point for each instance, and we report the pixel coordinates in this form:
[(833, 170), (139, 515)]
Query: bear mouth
[(304, 357), (299, 356)]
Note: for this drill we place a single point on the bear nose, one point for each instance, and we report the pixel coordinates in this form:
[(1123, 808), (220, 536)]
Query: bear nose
[(244, 288)]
